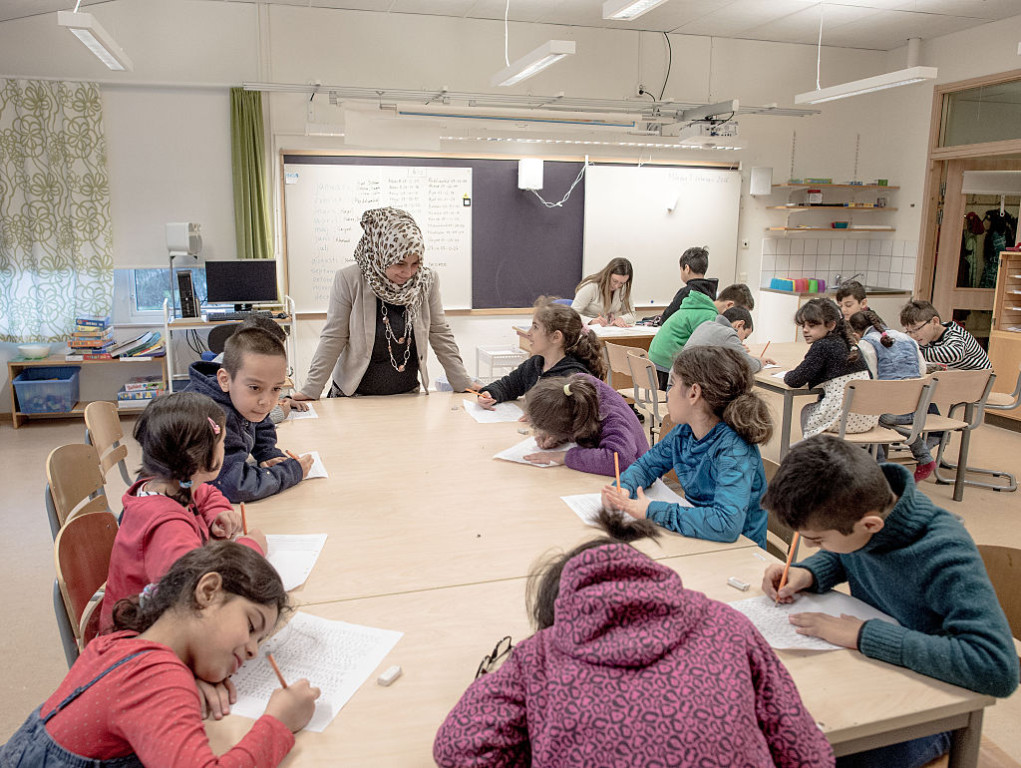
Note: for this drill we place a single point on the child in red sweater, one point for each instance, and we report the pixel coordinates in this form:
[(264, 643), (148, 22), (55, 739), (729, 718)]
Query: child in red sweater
[(172, 510), (130, 699)]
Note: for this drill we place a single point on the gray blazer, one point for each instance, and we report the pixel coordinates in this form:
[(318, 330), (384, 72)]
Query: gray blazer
[(346, 342)]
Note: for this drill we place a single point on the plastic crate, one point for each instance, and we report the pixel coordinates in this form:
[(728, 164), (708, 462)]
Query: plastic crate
[(47, 390)]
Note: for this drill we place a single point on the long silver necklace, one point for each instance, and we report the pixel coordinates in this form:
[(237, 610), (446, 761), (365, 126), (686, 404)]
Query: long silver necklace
[(388, 332)]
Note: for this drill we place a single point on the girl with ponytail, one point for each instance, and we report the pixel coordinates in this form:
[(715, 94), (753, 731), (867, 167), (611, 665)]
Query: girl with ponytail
[(561, 344), (129, 700), (587, 411), (832, 360), (714, 450)]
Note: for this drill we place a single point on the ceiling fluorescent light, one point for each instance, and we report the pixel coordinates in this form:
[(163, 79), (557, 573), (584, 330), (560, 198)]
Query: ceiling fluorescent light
[(546, 54), (85, 27), (625, 10), (868, 85)]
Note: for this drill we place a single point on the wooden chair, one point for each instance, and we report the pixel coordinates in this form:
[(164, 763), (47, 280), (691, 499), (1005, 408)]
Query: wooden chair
[(617, 362), (75, 484), (646, 392), (1003, 564), (955, 390), (103, 430), (874, 397), (81, 554)]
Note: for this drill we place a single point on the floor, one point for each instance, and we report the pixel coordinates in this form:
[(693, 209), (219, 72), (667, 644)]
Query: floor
[(34, 662)]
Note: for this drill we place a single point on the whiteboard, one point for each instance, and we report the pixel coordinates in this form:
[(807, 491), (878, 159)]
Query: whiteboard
[(627, 213), (323, 206)]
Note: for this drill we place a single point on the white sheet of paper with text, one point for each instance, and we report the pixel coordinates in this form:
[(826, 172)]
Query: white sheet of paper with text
[(587, 505), (772, 620), (296, 415), (528, 446), (336, 657), (506, 411)]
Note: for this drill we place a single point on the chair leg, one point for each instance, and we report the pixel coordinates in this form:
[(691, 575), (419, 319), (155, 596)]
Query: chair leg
[(1009, 484), (67, 638)]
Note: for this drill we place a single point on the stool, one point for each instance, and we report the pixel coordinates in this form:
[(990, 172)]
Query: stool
[(497, 357)]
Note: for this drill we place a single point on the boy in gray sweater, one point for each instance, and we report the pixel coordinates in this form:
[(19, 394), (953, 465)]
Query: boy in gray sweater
[(728, 330)]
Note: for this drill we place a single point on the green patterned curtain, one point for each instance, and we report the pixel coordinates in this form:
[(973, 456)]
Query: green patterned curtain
[(56, 244), (248, 163)]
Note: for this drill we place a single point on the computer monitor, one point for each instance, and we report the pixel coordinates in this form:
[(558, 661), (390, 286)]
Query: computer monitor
[(241, 282)]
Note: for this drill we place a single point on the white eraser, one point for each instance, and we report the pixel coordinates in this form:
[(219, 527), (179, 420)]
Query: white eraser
[(389, 675), (523, 431), (736, 583)]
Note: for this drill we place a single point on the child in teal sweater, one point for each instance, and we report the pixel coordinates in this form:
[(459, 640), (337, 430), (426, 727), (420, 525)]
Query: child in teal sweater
[(902, 554)]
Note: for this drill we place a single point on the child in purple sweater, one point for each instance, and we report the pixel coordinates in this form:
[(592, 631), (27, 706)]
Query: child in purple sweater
[(629, 668), (588, 411)]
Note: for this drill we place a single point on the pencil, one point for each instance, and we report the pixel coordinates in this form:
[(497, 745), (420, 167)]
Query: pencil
[(289, 453), (616, 467), (244, 520), (273, 663), (763, 353), (786, 568)]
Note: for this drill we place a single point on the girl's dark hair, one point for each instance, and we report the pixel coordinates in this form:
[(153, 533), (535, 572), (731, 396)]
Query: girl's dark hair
[(566, 407), (823, 311), (617, 266), (543, 586), (177, 439), (244, 572), (860, 323), (560, 317), (726, 381)]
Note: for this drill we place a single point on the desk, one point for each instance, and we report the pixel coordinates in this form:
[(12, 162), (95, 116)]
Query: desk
[(789, 355), (859, 703), (415, 500)]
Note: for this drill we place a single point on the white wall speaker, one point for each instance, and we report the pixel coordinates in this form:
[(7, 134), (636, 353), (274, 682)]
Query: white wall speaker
[(530, 173), (762, 181)]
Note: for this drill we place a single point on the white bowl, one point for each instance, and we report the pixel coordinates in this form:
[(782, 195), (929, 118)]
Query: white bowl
[(34, 351)]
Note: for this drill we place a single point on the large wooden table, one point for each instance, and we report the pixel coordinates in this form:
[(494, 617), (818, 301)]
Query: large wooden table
[(430, 536)]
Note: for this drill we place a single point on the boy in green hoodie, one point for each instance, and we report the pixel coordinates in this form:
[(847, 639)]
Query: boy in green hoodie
[(695, 310)]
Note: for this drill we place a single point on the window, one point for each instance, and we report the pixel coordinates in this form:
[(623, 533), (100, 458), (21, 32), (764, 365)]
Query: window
[(139, 293), (983, 114)]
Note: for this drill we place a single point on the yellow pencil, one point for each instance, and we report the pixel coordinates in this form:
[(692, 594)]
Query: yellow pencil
[(244, 520), (289, 453), (763, 353), (786, 568), (616, 467), (273, 663)]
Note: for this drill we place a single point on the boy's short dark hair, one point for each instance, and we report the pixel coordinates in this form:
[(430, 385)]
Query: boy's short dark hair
[(739, 293), (736, 313), (917, 311), (696, 259), (851, 288), (826, 483), (267, 324), (249, 341)]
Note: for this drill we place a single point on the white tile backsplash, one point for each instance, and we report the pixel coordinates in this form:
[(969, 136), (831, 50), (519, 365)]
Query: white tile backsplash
[(885, 247), (882, 262), (797, 246), (875, 247)]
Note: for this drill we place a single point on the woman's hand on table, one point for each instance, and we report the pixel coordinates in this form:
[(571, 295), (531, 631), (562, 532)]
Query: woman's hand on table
[(597, 321), (301, 396), (619, 323)]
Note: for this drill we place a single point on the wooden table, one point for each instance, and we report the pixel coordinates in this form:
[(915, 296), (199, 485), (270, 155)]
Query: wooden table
[(415, 500), (789, 355), (859, 703)]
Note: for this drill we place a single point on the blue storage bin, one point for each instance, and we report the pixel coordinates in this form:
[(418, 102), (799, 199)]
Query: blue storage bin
[(47, 390)]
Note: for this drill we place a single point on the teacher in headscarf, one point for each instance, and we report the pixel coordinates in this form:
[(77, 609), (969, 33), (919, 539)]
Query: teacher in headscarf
[(385, 310)]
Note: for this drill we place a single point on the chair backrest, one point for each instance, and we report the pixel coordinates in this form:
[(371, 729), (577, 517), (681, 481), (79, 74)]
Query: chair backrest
[(646, 382), (81, 555), (218, 336), (75, 483), (1003, 564), (617, 357), (103, 430), (874, 397), (956, 387), (567, 302)]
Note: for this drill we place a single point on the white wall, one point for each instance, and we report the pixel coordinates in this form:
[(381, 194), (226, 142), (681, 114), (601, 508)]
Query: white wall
[(169, 155)]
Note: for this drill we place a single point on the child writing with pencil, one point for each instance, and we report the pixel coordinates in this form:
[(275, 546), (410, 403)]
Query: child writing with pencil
[(561, 345), (629, 668), (714, 450), (129, 700), (247, 386), (589, 412), (902, 554)]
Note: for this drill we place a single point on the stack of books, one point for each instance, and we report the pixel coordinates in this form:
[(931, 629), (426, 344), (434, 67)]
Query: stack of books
[(139, 391), (91, 340), (144, 347)]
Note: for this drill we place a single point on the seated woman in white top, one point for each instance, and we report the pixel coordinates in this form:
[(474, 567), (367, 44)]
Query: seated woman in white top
[(605, 297)]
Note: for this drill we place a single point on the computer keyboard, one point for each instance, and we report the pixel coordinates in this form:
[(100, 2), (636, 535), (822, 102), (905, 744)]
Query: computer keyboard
[(213, 317)]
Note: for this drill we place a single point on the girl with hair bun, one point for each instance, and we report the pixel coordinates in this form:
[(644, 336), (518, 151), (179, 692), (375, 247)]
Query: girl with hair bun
[(713, 449), (589, 412), (129, 700), (561, 345)]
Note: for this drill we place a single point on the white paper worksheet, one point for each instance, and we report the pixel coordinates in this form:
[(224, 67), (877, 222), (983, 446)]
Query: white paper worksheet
[(518, 452), (318, 468), (507, 411), (772, 619), (609, 331), (335, 656), (587, 505), (294, 557), (295, 414)]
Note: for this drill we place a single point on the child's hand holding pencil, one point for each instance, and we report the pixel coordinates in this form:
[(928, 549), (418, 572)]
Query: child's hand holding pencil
[(306, 462)]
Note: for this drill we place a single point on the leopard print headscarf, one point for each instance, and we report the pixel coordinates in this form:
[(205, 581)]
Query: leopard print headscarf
[(390, 234)]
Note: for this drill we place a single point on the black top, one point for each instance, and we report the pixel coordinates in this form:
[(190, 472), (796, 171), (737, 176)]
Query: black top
[(523, 378), (826, 359), (381, 378), (706, 285)]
